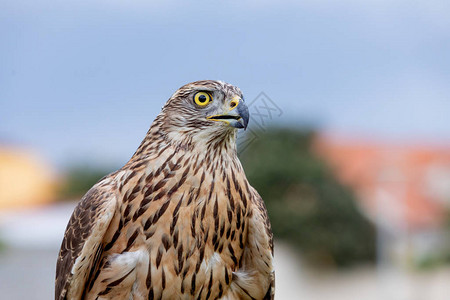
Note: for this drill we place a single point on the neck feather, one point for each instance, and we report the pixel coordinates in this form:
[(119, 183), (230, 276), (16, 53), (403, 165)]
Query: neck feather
[(203, 140)]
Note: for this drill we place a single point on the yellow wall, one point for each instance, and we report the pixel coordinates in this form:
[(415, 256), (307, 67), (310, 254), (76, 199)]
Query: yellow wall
[(24, 179)]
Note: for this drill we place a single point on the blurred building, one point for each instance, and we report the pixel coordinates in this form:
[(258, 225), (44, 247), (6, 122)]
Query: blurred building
[(25, 179), (403, 189)]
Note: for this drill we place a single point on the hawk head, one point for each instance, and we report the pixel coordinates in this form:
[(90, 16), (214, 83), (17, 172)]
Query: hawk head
[(204, 111)]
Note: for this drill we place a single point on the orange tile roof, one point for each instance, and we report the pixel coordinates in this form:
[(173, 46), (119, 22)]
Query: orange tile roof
[(405, 183)]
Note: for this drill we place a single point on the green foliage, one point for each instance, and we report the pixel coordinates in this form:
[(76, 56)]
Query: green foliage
[(2, 246), (306, 205), (79, 179), (446, 235)]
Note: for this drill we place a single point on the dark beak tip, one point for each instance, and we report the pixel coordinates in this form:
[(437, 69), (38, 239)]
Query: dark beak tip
[(245, 124), (243, 112)]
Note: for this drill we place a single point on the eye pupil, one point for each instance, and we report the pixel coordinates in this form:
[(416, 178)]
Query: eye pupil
[(202, 98)]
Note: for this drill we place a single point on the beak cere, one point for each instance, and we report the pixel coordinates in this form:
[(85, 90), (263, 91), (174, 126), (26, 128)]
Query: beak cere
[(236, 117)]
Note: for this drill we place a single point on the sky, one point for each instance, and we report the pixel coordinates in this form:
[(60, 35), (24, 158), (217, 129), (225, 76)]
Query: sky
[(83, 80)]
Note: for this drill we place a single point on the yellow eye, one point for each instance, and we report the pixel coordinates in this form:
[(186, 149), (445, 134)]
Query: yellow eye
[(202, 99)]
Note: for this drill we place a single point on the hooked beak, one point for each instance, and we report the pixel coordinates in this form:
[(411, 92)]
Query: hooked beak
[(236, 117)]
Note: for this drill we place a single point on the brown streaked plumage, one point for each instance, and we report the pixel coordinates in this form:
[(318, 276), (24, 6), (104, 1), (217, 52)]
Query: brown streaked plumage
[(179, 220)]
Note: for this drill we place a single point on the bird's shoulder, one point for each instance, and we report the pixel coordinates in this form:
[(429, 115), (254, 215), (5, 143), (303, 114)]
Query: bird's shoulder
[(83, 237), (256, 277), (261, 210)]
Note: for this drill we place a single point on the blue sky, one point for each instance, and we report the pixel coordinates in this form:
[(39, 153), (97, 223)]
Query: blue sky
[(83, 81)]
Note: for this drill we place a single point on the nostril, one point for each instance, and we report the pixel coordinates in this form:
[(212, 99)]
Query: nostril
[(233, 104)]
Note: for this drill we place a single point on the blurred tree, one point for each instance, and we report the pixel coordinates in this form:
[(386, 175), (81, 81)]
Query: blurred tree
[(446, 235), (307, 206), (79, 178)]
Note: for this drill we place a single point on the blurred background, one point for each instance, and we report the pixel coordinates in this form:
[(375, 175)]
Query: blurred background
[(348, 142)]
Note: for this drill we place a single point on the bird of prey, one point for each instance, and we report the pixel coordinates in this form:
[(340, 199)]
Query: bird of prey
[(179, 220)]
